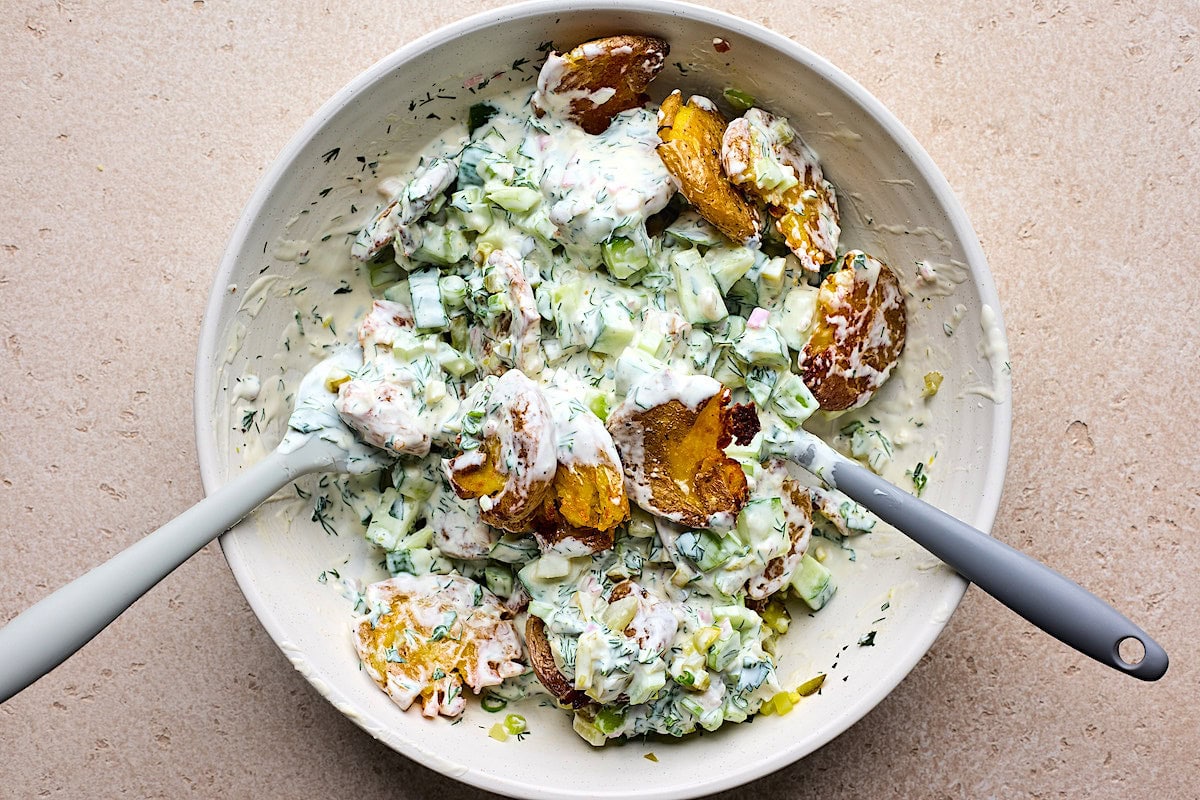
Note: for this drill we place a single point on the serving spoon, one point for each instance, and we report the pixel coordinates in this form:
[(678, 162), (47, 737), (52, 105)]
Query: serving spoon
[(47, 633), (40, 638), (1051, 601)]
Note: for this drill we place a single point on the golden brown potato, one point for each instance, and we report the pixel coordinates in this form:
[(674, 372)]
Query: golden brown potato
[(541, 658), (763, 155), (858, 334), (587, 500), (580, 514), (513, 468), (671, 432), (425, 636), (798, 511), (599, 79), (691, 150)]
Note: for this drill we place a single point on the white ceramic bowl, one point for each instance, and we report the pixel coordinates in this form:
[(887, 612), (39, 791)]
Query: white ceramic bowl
[(895, 203)]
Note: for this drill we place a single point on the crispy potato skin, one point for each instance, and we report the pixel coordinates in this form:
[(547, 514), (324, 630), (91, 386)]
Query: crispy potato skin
[(859, 333), (625, 64), (542, 660), (684, 466), (691, 151), (745, 424)]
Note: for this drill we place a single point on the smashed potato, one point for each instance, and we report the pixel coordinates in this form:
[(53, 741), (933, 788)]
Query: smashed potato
[(423, 637), (587, 500), (798, 511), (691, 150), (599, 79), (858, 335), (671, 432), (763, 154), (396, 219), (512, 467), (541, 658)]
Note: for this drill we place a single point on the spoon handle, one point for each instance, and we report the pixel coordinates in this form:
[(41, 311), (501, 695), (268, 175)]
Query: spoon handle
[(1054, 603), (40, 638)]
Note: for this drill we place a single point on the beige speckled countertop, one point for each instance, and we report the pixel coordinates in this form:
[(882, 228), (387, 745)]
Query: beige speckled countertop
[(132, 134)]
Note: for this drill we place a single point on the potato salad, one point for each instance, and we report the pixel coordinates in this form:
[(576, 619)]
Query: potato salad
[(594, 316)]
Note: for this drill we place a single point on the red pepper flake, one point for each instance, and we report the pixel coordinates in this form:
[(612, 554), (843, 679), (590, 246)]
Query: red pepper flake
[(720, 45)]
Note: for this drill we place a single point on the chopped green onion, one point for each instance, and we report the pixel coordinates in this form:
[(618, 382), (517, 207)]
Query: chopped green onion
[(491, 703), (739, 99)]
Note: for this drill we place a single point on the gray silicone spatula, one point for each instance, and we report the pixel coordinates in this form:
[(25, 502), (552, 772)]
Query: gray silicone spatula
[(1054, 603), (45, 634)]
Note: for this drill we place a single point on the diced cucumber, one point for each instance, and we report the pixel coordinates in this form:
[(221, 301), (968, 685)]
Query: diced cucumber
[(760, 382), (393, 521), (761, 519), (729, 264), (692, 228), (412, 480), (407, 346), (428, 312), (499, 579), (614, 329), (722, 654), (398, 293), (763, 347), (652, 342), (495, 168), (708, 550), (588, 731), (794, 319), (770, 277), (729, 372), (741, 619), (597, 401), (454, 362), (441, 245), (792, 400), (813, 582), (699, 348), (513, 548), (699, 297), (470, 207), (468, 164), (739, 100), (517, 199), (381, 274), (624, 257)]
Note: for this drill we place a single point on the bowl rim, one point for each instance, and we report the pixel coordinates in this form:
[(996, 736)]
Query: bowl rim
[(209, 347)]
